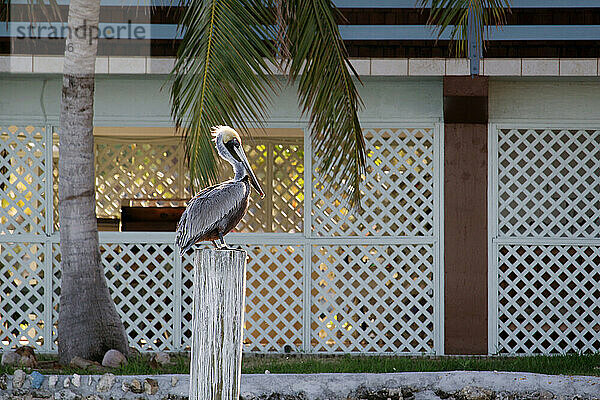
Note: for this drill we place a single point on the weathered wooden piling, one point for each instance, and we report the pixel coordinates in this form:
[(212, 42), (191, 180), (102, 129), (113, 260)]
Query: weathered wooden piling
[(217, 321)]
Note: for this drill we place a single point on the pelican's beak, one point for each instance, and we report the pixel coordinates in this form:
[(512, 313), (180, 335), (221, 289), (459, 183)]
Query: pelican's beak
[(253, 180)]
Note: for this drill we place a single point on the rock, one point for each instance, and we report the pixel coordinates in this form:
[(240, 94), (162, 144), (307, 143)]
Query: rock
[(41, 394), (76, 380), (174, 381), (124, 386), (150, 386), (65, 394), (247, 396), (113, 359), (52, 381), (134, 353), (267, 372), (161, 358), (79, 362), (36, 380), (27, 361), (10, 358), (90, 380), (27, 355), (19, 379), (3, 382), (67, 382), (105, 383), (474, 393), (136, 386), (544, 395)]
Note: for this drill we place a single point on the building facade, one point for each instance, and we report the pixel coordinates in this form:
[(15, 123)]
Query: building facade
[(479, 232)]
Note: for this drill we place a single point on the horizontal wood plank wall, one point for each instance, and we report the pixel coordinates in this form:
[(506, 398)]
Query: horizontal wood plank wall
[(465, 218)]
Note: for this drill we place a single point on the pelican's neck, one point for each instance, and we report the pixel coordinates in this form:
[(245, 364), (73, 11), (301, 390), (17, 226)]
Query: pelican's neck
[(238, 168), (239, 171)]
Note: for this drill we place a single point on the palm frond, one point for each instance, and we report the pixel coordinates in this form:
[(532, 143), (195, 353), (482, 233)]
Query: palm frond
[(454, 15), (327, 92), (221, 75), (48, 8)]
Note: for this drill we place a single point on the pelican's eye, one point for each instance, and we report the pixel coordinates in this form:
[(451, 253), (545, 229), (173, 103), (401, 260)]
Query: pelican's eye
[(230, 146)]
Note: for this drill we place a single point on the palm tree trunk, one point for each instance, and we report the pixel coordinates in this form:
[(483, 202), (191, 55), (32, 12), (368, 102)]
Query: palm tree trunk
[(88, 322)]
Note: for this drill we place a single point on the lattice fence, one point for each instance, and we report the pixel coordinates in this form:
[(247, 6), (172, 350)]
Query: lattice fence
[(398, 189), (315, 291), (547, 297), (134, 170), (549, 183), (23, 178), (372, 299), (155, 170), (274, 299)]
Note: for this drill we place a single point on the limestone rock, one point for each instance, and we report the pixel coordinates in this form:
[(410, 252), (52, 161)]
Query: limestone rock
[(125, 386), (113, 359), (105, 383), (66, 394), (150, 386), (3, 382), (67, 382), (52, 381), (134, 353), (19, 379), (10, 358), (27, 356), (136, 386), (76, 380), (174, 381), (545, 395), (36, 380), (161, 358), (474, 393), (41, 394), (79, 362)]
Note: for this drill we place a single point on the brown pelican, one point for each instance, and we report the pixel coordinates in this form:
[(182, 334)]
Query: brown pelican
[(216, 210)]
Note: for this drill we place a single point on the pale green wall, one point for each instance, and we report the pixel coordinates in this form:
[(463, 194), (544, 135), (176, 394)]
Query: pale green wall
[(549, 100), (143, 101)]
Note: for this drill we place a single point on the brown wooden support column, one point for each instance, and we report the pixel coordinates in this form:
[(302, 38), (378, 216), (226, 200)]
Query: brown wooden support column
[(465, 214)]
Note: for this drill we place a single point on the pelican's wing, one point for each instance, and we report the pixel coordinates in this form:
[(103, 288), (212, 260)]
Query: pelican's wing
[(206, 209)]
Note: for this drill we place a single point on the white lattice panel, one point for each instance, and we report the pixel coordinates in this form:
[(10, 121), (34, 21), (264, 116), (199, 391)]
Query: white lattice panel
[(279, 167), (255, 219), (288, 187), (548, 299), (56, 276), (136, 170), (141, 278), (372, 299), (548, 183), (397, 189), (22, 180), (22, 294), (274, 293)]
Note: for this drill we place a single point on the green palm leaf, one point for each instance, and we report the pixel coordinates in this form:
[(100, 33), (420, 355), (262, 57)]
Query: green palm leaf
[(221, 76), (47, 8), (327, 91), (454, 15)]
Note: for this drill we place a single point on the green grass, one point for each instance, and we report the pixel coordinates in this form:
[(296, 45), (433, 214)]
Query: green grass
[(565, 364), (571, 364)]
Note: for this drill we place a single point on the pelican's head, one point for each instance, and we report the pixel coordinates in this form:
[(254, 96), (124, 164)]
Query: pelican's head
[(229, 147)]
